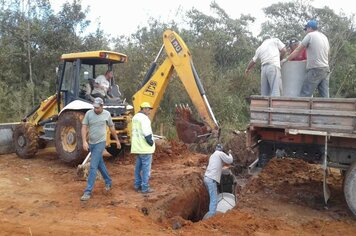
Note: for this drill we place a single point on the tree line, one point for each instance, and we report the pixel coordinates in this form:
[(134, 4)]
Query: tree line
[(33, 37)]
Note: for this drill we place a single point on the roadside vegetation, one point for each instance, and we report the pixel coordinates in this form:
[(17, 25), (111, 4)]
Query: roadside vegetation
[(33, 37)]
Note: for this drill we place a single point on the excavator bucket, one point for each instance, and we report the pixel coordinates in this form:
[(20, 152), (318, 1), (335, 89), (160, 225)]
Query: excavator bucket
[(190, 130)]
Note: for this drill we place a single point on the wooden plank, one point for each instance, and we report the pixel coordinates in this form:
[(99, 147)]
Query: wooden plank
[(336, 115), (333, 113)]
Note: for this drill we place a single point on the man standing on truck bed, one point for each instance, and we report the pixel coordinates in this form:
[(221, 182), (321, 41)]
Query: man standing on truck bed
[(97, 120), (270, 53), (318, 72)]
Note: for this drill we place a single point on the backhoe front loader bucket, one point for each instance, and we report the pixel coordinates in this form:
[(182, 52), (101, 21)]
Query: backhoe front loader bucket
[(6, 142), (190, 130)]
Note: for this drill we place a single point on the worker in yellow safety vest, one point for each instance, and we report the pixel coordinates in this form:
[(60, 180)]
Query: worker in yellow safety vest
[(142, 144)]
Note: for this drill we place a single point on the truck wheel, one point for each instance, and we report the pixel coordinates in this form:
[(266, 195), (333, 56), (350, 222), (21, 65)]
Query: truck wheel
[(350, 188), (25, 139), (68, 137)]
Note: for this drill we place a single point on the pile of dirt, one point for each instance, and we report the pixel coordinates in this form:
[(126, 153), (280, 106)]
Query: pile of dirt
[(237, 143), (242, 156), (286, 171), (298, 182), (166, 151), (169, 150)]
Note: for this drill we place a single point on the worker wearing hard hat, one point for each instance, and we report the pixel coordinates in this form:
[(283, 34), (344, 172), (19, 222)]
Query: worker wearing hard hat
[(142, 144)]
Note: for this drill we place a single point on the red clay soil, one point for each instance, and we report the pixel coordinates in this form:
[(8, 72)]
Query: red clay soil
[(40, 196)]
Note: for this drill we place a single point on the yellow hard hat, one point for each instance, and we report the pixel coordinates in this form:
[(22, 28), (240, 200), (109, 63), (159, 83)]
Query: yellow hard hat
[(146, 105)]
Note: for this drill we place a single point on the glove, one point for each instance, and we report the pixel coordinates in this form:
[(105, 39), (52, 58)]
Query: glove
[(230, 152)]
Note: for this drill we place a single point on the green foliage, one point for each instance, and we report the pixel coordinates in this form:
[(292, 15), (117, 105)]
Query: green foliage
[(31, 41), (96, 41), (32, 38)]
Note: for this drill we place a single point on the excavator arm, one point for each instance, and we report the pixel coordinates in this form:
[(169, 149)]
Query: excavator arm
[(155, 84)]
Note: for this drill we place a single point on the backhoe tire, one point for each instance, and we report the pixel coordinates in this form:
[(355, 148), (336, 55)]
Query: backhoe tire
[(42, 144), (25, 138), (68, 137), (350, 188)]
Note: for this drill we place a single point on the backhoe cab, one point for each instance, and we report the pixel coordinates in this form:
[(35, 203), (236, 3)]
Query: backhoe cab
[(59, 117)]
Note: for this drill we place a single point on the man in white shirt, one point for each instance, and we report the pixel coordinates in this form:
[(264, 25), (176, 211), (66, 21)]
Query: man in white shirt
[(102, 84), (213, 175), (269, 53)]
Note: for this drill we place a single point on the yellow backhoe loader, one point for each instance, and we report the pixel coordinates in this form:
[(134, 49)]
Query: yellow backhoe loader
[(59, 117)]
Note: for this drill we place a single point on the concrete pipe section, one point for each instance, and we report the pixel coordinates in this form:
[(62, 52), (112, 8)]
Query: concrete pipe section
[(226, 192), (6, 143), (226, 201), (293, 74)]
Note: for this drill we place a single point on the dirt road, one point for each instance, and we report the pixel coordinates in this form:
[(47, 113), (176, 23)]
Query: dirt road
[(40, 196)]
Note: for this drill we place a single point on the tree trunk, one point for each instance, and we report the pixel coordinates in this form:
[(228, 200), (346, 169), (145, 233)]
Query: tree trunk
[(29, 50)]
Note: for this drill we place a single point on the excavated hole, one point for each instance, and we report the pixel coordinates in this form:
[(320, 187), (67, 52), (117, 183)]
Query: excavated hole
[(200, 205), (191, 203)]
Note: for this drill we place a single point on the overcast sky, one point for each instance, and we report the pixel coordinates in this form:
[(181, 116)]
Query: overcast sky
[(123, 17)]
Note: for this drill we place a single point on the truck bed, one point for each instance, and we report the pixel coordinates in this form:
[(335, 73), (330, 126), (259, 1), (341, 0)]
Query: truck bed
[(299, 126), (332, 115)]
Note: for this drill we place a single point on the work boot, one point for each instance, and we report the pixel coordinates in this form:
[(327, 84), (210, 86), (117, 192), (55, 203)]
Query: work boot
[(85, 197)]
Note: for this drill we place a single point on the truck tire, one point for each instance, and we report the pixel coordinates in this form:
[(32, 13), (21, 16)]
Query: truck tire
[(26, 140), (350, 188), (68, 137)]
